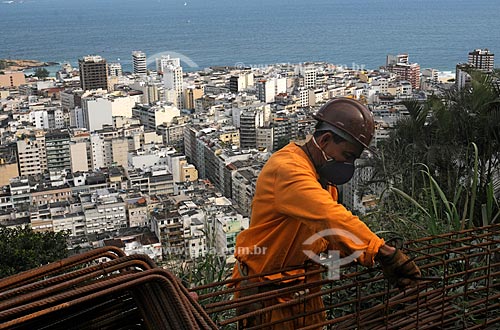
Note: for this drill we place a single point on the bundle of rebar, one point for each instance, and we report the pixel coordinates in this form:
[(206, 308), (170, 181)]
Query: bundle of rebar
[(99, 289), (460, 289), (104, 289)]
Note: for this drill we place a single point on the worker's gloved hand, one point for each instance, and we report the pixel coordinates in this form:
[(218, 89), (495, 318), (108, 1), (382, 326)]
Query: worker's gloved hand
[(399, 269)]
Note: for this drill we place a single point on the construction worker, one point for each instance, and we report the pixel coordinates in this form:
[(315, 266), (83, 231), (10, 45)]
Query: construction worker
[(296, 197)]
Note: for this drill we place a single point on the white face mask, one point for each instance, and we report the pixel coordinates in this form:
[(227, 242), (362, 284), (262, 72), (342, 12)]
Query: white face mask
[(322, 151)]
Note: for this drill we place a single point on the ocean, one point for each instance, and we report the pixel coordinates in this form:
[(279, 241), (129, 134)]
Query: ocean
[(435, 33)]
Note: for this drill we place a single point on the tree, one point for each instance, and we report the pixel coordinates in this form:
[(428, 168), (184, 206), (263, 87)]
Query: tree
[(455, 139), (41, 73), (22, 249)]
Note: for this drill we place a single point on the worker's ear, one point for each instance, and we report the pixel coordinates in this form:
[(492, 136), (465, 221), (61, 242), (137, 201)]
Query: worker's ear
[(324, 138)]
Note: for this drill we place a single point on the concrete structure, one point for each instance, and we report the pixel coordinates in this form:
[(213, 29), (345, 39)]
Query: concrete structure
[(99, 110), (115, 70), (137, 212), (405, 70), (70, 100), (79, 156), (241, 81), (8, 165), (150, 93), (232, 225), (108, 150), (266, 90), (160, 181), (309, 74), (181, 170), (395, 59), (58, 151), (462, 78), (96, 112), (139, 62), (97, 152), (172, 80), (173, 133), (12, 79), (408, 72), (104, 211), (482, 59), (20, 192), (190, 97), (49, 195), (168, 226), (93, 73), (43, 115), (250, 120), (31, 155), (153, 116), (230, 137), (58, 119), (74, 223), (243, 187), (39, 119), (119, 152), (350, 191), (156, 180), (164, 61), (143, 160), (264, 138)]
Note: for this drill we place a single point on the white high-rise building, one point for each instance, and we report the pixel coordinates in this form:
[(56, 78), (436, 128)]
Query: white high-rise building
[(397, 59), (153, 116), (172, 79), (97, 151), (99, 109), (40, 119), (462, 77), (166, 60), (310, 77), (31, 155), (115, 70), (139, 62), (96, 114), (267, 89)]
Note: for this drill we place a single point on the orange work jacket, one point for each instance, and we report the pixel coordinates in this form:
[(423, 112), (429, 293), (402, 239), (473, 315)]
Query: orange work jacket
[(290, 206)]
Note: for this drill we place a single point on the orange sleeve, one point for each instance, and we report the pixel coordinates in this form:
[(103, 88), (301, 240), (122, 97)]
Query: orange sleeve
[(299, 195)]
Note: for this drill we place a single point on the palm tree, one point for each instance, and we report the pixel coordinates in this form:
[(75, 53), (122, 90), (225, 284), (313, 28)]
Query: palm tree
[(439, 133)]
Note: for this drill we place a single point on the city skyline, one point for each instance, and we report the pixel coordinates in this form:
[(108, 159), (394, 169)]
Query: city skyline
[(152, 125)]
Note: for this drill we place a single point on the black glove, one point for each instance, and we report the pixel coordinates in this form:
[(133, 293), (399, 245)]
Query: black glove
[(400, 270)]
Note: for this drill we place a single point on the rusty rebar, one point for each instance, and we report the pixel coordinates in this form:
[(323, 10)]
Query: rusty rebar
[(464, 267), (28, 276), (128, 290)]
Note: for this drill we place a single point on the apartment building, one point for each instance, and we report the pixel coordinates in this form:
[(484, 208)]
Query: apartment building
[(104, 211), (31, 154), (93, 73), (482, 59)]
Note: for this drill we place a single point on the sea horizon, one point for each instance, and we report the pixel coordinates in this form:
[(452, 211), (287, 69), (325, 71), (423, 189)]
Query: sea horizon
[(356, 33)]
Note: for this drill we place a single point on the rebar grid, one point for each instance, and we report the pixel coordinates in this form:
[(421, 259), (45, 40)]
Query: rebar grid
[(462, 290)]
